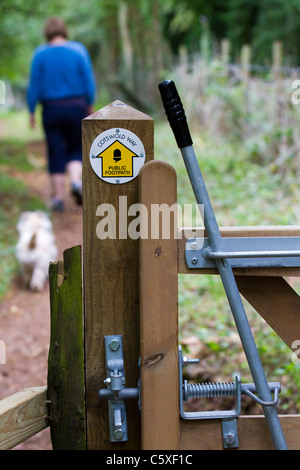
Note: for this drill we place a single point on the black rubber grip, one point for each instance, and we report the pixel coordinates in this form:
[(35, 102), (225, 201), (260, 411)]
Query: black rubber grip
[(175, 113)]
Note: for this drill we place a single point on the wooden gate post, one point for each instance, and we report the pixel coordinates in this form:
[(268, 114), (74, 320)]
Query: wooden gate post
[(111, 272), (159, 309)]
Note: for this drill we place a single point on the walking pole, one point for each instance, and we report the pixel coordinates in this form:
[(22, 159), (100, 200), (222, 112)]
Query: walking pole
[(177, 119)]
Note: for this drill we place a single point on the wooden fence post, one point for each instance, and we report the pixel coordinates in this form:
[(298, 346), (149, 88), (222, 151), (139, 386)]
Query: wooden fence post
[(225, 52), (111, 267), (277, 60), (246, 60), (65, 360)]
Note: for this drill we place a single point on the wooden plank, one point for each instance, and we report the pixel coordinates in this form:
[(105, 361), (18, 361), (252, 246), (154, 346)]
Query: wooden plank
[(159, 315), (253, 433), (22, 415), (276, 301), (65, 361), (111, 276), (251, 231)]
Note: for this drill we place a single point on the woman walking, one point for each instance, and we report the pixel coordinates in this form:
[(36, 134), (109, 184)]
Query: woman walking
[(62, 80)]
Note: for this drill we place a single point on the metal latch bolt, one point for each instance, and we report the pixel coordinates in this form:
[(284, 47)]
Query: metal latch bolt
[(116, 392), (244, 252)]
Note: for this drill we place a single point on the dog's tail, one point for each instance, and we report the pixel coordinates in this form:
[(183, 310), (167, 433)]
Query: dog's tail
[(32, 243)]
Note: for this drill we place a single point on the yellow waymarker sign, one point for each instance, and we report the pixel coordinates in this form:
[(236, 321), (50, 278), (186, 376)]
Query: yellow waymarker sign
[(117, 155), (117, 161)]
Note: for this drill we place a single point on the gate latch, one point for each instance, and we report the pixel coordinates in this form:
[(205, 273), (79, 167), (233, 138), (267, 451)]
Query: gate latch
[(221, 389), (116, 393)]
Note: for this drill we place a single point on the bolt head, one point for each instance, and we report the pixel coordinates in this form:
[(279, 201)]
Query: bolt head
[(114, 345), (186, 361), (229, 438), (118, 434)]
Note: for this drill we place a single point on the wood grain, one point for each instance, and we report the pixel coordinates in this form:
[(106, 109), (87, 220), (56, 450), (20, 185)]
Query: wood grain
[(159, 315), (111, 277), (253, 433), (277, 303), (22, 415)]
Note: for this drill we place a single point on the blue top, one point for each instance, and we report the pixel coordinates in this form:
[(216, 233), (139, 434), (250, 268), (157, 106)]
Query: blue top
[(60, 71)]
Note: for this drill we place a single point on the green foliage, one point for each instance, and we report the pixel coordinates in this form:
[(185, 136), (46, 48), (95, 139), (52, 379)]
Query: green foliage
[(132, 42), (243, 193), (184, 22), (245, 131), (19, 33), (241, 18), (258, 23), (277, 21), (251, 117)]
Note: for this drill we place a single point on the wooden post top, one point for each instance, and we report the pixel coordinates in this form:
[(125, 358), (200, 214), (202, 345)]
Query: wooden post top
[(118, 110)]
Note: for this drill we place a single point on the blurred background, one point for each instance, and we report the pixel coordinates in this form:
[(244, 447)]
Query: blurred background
[(236, 66)]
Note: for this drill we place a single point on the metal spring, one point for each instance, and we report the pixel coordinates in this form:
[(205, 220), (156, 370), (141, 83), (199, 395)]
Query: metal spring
[(208, 390)]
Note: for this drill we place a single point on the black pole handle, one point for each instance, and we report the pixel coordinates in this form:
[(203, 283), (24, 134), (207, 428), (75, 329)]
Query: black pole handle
[(175, 113)]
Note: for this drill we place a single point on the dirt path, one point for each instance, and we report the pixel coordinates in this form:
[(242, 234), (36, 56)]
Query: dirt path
[(25, 316)]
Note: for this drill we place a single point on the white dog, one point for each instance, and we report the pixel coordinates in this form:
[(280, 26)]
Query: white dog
[(36, 248)]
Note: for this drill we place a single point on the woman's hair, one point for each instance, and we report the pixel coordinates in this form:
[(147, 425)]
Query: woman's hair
[(55, 26)]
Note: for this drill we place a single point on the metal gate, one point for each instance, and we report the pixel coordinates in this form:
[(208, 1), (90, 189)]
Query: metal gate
[(134, 389)]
